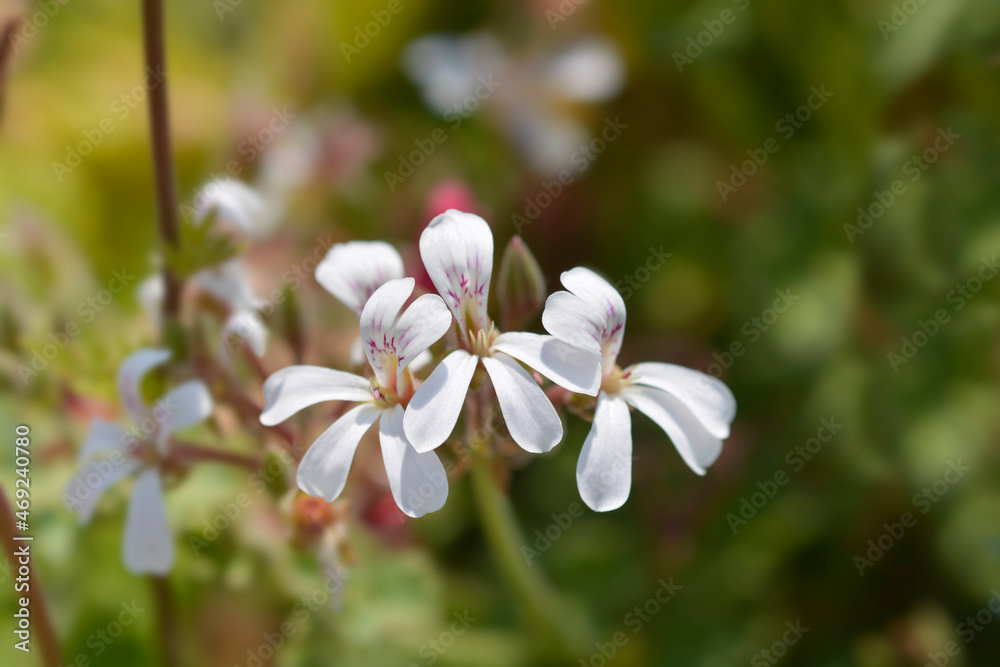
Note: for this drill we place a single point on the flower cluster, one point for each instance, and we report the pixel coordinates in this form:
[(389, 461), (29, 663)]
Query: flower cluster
[(585, 328)]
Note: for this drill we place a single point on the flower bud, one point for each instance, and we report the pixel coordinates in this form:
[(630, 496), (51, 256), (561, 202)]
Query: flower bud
[(521, 286)]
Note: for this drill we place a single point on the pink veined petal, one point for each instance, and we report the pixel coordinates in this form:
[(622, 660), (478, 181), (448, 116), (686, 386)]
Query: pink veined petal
[(529, 415), (697, 447), (92, 480), (296, 387), (323, 470), (185, 405), (457, 250), (102, 437), (148, 547), (433, 411), (352, 271), (605, 299), (707, 397), (418, 481), (420, 326), (571, 367), (378, 328), (604, 470), (570, 318), (130, 376)]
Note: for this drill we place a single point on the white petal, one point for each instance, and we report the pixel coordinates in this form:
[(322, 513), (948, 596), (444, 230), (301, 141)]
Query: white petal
[(548, 138), (244, 326), (150, 294), (323, 469), (148, 547), (92, 480), (421, 360), (707, 397), (571, 367), (418, 481), (529, 415), (603, 298), (186, 405), (102, 437), (378, 327), (296, 387), (237, 205), (604, 470), (353, 271), (130, 376), (433, 411), (420, 326), (570, 318), (448, 68), (591, 71), (457, 250), (697, 447)]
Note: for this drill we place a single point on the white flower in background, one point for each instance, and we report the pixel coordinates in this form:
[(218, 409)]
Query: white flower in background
[(458, 74), (111, 453), (457, 250), (693, 408), (392, 339)]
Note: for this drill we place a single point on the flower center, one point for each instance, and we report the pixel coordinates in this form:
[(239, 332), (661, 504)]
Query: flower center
[(482, 341), (615, 380)]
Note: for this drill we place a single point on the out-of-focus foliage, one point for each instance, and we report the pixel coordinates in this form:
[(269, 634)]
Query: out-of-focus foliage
[(856, 293)]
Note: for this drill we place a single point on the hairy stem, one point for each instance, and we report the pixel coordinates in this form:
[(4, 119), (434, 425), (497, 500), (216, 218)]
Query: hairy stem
[(42, 625)]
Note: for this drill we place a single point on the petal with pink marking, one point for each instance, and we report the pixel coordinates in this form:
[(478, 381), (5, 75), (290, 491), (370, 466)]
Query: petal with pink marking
[(352, 271)]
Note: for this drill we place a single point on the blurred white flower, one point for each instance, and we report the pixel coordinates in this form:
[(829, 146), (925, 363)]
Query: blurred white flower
[(457, 250), (112, 453), (530, 92), (392, 338), (693, 408)]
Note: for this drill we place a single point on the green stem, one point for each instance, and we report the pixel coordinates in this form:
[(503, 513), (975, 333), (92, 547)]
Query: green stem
[(542, 608)]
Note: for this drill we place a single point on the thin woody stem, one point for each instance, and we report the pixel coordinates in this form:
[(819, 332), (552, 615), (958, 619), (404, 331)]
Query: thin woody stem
[(167, 620), (190, 452)]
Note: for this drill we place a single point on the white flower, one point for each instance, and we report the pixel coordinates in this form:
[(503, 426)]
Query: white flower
[(457, 250), (392, 340), (693, 408), (112, 453)]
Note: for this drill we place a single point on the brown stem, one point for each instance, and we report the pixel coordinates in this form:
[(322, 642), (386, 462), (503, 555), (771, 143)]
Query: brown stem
[(189, 452), (167, 619), (42, 621), (163, 164)]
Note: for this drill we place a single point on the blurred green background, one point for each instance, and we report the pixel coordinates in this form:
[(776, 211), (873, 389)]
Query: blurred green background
[(794, 225)]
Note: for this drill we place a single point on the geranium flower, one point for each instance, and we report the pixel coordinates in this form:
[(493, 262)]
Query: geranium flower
[(457, 250), (392, 340), (112, 453), (693, 408)]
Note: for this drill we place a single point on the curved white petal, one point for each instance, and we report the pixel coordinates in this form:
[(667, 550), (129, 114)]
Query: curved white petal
[(102, 437), (529, 415), (244, 326), (420, 326), (148, 547), (604, 470), (378, 327), (433, 411), (130, 376), (323, 469), (92, 480), (571, 367), (420, 361), (185, 405), (590, 71), (236, 204), (418, 481), (606, 300), (457, 250), (697, 447), (570, 318), (229, 283), (352, 271), (448, 68), (707, 397), (296, 387)]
